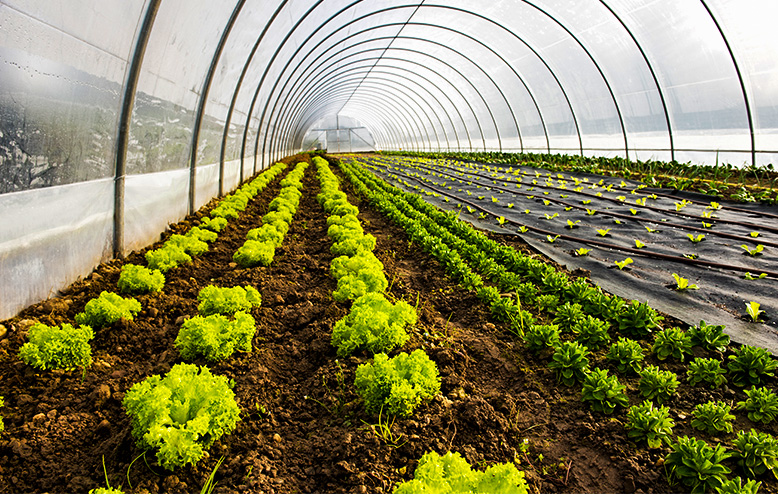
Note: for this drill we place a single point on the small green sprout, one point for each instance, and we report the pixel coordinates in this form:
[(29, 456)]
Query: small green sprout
[(510, 205), (481, 198), (713, 205), (696, 239), (598, 194), (707, 215), (683, 283), (501, 220), (621, 198), (753, 310), (551, 239), (749, 276), (582, 252), (616, 221), (650, 230), (603, 232), (591, 212), (482, 216), (470, 210), (586, 201), (706, 225), (568, 208), (634, 211), (527, 211), (754, 234), (623, 264), (639, 244), (551, 216), (546, 202), (523, 229), (653, 197), (563, 196), (573, 224), (641, 202), (494, 199), (755, 251)]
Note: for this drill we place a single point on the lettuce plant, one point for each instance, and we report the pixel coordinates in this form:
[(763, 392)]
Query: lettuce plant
[(57, 348), (107, 309), (567, 315), (627, 355), (750, 364), (373, 324), (736, 486), (267, 234), (656, 384), (547, 302), (707, 370), (227, 301), (570, 362), (539, 337), (202, 234), (398, 385), (452, 474), (756, 453), (697, 465), (761, 404), (215, 337), (713, 417), (352, 244), (167, 257), (604, 392), (214, 224), (709, 336), (190, 245), (254, 253), (592, 332), (672, 342), (181, 414), (637, 319), (650, 423), (358, 275), (136, 279)]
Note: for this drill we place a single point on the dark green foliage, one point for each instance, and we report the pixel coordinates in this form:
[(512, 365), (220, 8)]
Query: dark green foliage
[(709, 337), (107, 309), (650, 423), (761, 404), (756, 453), (57, 348), (672, 342), (547, 303), (604, 393), (736, 486), (398, 385), (567, 315), (592, 332), (637, 319), (137, 280), (570, 362), (750, 364), (541, 337), (696, 465), (656, 384), (713, 417), (627, 355), (706, 370)]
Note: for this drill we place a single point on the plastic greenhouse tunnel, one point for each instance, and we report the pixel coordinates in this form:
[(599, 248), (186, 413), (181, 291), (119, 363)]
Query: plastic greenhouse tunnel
[(369, 246)]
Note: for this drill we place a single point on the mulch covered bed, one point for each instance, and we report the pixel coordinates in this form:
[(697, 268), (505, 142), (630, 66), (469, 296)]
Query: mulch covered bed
[(303, 429)]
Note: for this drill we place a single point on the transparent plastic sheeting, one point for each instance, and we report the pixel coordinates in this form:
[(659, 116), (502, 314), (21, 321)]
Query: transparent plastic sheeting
[(205, 94)]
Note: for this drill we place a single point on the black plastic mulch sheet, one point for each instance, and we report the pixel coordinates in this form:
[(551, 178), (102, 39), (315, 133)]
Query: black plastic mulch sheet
[(669, 223)]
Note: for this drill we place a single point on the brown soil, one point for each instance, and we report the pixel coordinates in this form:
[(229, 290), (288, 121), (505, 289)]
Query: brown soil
[(303, 428)]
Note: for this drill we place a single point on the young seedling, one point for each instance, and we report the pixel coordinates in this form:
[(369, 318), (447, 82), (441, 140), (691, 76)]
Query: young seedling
[(749, 276), (616, 221), (634, 211), (753, 310), (591, 212), (481, 216), (706, 225), (563, 196), (523, 229), (650, 230), (621, 198), (551, 239), (551, 216), (691, 256), (754, 234), (696, 239), (501, 220), (639, 244), (582, 252), (568, 208), (573, 224), (713, 205), (603, 232), (753, 252), (683, 283), (510, 205), (527, 211), (546, 202), (623, 264), (586, 201), (494, 199), (641, 202)]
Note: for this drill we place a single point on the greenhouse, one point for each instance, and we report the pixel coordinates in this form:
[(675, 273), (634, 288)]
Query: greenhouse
[(358, 246)]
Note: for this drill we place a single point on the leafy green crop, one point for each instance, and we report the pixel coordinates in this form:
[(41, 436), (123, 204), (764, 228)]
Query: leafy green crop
[(398, 385), (167, 257), (254, 253), (547, 302), (650, 423), (374, 324), (756, 453), (637, 319), (214, 224), (656, 384), (227, 301), (181, 414), (136, 279), (695, 464), (267, 234), (592, 332), (202, 234), (604, 392), (753, 310), (107, 309), (357, 275), (750, 364), (736, 486), (215, 336), (541, 337), (627, 355), (350, 244), (570, 362), (761, 404), (190, 245), (672, 342), (707, 370), (568, 315), (452, 474), (709, 336), (713, 417), (57, 348)]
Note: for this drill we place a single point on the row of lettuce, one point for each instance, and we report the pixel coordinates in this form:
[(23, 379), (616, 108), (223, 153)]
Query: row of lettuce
[(574, 309)]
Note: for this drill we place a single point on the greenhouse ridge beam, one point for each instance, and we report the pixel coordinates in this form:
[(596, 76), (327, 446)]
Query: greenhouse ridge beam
[(128, 102)]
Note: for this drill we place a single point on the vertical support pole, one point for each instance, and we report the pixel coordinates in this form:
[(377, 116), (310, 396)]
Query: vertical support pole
[(125, 118)]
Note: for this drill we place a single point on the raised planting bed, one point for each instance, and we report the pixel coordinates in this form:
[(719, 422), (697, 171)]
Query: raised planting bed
[(303, 427)]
